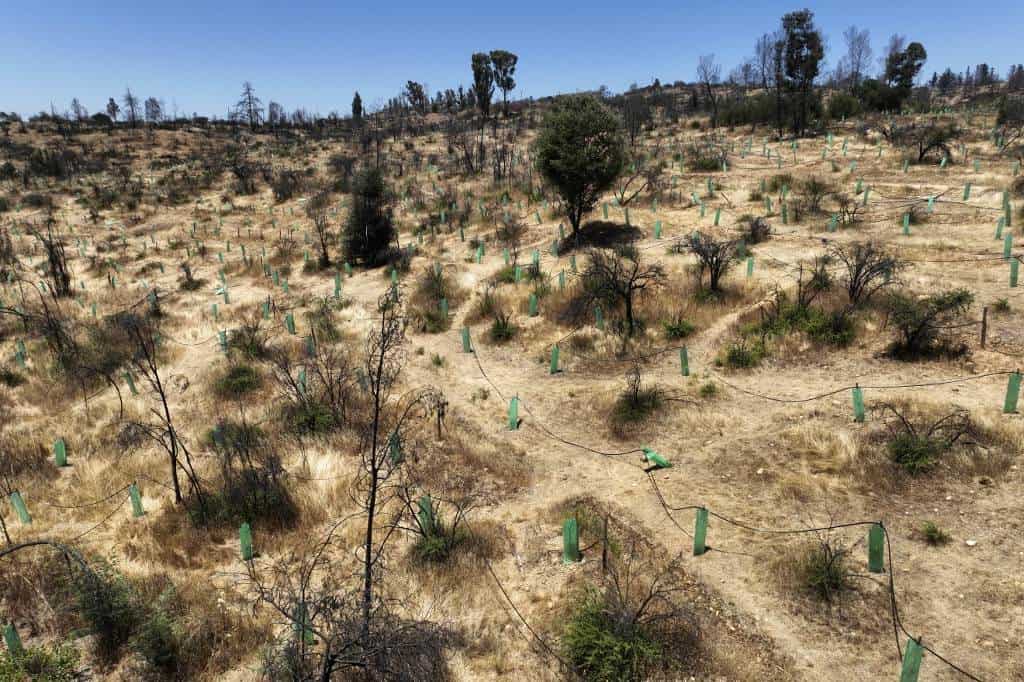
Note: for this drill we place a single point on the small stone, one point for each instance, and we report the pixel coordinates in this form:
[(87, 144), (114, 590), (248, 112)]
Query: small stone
[(971, 543)]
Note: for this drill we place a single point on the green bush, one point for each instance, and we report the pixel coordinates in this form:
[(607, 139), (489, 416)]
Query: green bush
[(842, 104), (604, 650), (238, 380), (502, 328), (631, 407), (310, 417), (916, 453), (678, 328), (39, 664), (108, 604), (740, 355), (934, 535), (824, 569)]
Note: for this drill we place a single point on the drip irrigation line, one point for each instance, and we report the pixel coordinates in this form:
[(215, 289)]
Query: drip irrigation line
[(819, 396), (522, 619), (109, 516), (87, 504)]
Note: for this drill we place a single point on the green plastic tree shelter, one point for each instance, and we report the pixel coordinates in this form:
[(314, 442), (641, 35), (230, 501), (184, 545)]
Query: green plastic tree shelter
[(570, 542), (300, 624), (19, 507), (1014, 267), (684, 362), (554, 360), (11, 640), (136, 498), (700, 532), (466, 346), (876, 548), (130, 380), (912, 660), (60, 452), (858, 404), (655, 460), (426, 517), (513, 414), (245, 541), (1012, 393)]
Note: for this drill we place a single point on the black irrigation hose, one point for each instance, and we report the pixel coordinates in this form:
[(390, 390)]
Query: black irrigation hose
[(533, 633), (113, 511), (958, 380), (88, 504)]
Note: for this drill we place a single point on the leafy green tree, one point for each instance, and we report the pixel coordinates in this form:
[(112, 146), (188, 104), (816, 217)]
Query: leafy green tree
[(902, 67), (483, 82), (802, 54), (369, 230), (357, 109), (504, 68), (580, 152)]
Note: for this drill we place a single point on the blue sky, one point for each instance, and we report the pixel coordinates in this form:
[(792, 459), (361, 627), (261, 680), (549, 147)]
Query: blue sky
[(316, 54)]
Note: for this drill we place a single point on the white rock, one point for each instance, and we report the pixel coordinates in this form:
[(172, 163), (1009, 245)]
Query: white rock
[(971, 543)]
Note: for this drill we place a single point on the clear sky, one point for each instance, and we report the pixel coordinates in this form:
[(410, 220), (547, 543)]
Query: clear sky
[(315, 54)]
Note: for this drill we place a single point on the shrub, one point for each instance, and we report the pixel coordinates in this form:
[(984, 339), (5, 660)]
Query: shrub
[(740, 355), (709, 390), (916, 453), (502, 328), (678, 328), (310, 417), (830, 328), (823, 569), (238, 381), (56, 664), (918, 447), (603, 649), (108, 604), (842, 105), (921, 323), (756, 230), (286, 184), (933, 535)]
